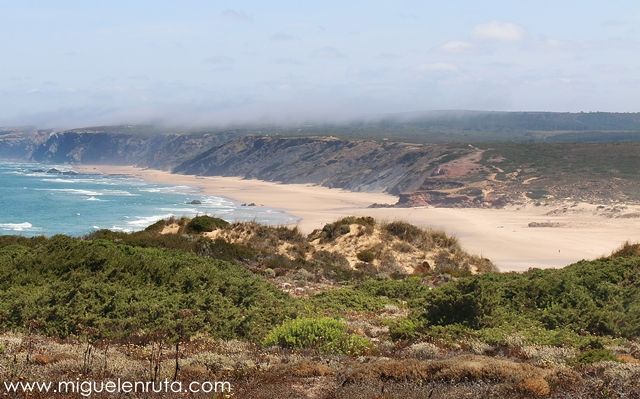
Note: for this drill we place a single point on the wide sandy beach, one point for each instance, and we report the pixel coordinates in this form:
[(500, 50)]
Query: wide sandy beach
[(502, 235)]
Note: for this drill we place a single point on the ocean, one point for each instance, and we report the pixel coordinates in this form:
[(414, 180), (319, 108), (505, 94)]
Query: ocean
[(39, 199)]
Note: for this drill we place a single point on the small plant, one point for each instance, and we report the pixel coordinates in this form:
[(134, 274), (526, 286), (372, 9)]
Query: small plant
[(404, 231), (157, 226), (202, 224), (366, 255), (341, 227), (596, 355), (324, 334), (404, 329)]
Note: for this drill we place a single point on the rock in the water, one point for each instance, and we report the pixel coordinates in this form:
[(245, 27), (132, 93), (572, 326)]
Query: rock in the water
[(195, 202)]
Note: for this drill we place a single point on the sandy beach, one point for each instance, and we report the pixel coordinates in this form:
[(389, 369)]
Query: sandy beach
[(502, 235)]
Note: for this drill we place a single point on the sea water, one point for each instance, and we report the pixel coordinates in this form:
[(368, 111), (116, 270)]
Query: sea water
[(36, 200)]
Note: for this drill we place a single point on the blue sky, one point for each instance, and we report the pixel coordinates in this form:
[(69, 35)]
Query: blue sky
[(70, 63)]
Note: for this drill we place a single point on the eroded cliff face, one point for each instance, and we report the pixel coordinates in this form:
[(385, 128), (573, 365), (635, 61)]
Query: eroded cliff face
[(359, 165), (445, 175), (433, 174), (19, 143), (162, 151)]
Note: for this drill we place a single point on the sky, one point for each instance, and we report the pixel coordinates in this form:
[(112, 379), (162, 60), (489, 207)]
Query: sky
[(77, 63)]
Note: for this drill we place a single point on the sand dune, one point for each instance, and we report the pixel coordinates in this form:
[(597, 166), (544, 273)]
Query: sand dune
[(503, 235)]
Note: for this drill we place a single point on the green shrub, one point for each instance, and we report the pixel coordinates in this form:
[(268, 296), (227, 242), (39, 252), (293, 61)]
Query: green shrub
[(69, 286), (404, 329), (347, 300), (366, 255), (157, 226), (598, 297), (596, 355), (322, 334), (204, 223)]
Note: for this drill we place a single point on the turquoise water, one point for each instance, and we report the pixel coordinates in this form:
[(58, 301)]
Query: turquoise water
[(35, 202)]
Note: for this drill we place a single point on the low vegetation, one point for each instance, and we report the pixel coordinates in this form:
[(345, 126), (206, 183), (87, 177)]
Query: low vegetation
[(325, 335), (270, 308)]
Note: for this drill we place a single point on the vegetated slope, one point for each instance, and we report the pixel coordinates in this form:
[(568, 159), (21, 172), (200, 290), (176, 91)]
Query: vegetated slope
[(571, 305), (492, 175), (63, 286), (590, 172), (457, 126), (362, 243), (455, 174), (129, 307)]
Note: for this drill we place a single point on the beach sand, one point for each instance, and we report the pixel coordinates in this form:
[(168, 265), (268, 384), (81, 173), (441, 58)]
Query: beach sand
[(502, 235)]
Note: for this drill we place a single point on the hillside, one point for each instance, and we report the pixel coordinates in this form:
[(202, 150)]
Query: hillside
[(171, 303), (487, 174), (358, 165), (459, 126), (117, 146)]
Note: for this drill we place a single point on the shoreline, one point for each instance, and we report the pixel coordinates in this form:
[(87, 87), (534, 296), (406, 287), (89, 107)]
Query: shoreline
[(502, 235)]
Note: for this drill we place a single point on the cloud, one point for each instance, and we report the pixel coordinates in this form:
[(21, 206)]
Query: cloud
[(220, 60), (282, 37), (456, 46), (438, 67), (329, 53), (235, 15), (288, 61), (499, 31), (388, 56)]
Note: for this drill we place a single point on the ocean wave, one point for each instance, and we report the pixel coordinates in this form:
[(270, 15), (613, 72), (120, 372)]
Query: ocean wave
[(122, 229), (144, 221), (91, 193), (71, 191), (120, 193), (217, 202), (92, 198), (179, 210), (16, 226), (87, 181), (171, 190)]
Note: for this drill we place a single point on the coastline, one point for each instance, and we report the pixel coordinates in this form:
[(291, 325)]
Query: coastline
[(502, 235)]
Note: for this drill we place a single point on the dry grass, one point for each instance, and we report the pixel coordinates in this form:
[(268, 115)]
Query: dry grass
[(503, 375), (255, 373), (627, 249)]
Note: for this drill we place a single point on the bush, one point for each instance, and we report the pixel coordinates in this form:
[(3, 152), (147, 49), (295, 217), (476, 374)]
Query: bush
[(404, 329), (348, 300), (202, 224), (323, 334), (599, 297), (596, 355), (366, 255), (341, 227), (404, 231), (627, 249), (68, 286)]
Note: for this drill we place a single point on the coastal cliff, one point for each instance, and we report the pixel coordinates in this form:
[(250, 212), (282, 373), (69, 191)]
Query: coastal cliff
[(486, 175)]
